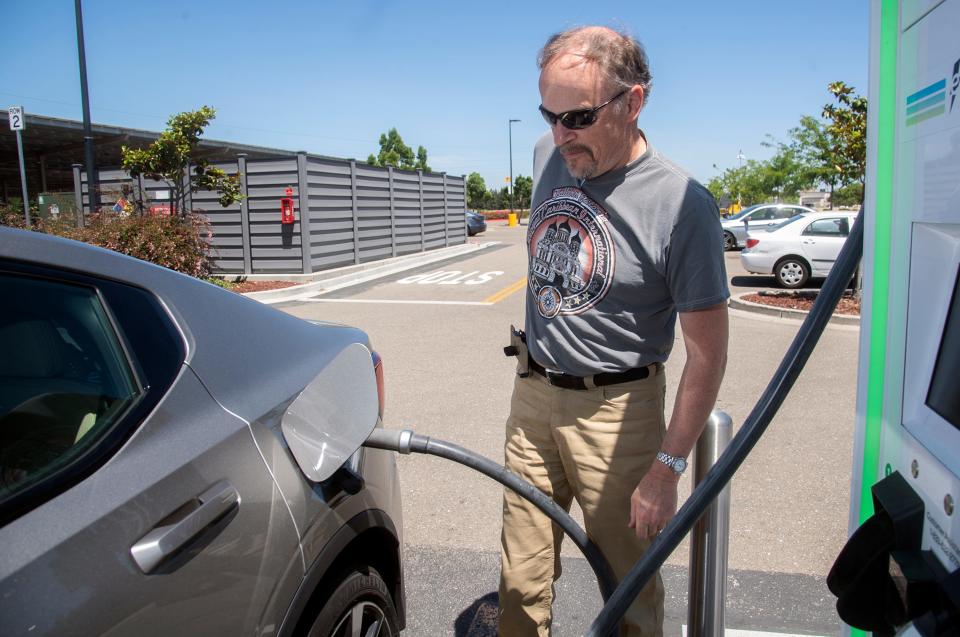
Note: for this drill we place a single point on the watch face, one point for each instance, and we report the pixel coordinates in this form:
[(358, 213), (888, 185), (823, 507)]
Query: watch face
[(677, 465)]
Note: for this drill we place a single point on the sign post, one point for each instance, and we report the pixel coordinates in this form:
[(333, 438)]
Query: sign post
[(17, 124)]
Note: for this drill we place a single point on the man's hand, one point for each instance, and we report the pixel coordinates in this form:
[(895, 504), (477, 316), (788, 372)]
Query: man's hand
[(654, 502)]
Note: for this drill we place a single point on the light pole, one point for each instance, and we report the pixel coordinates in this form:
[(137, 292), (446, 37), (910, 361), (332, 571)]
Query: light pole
[(510, 129), (740, 158), (93, 182)]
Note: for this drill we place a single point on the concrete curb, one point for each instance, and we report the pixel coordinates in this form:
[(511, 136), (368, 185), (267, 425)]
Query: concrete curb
[(737, 302), (330, 280)]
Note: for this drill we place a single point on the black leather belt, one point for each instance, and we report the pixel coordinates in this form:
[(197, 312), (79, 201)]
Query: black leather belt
[(558, 379)]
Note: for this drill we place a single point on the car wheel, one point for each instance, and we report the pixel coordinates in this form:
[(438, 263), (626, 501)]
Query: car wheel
[(729, 241), (791, 273), (360, 605)]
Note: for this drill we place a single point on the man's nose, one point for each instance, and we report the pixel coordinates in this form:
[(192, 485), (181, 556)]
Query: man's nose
[(562, 134)]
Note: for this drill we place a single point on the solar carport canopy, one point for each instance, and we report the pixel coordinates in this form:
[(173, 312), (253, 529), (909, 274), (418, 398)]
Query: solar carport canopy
[(51, 146)]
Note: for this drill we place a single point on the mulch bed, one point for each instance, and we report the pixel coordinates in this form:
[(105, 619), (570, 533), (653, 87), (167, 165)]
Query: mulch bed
[(261, 286), (803, 300)]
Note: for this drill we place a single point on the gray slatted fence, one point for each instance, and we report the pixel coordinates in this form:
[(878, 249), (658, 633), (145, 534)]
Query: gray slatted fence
[(225, 223), (347, 213)]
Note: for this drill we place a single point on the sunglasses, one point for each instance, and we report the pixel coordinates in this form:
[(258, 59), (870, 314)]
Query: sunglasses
[(577, 119)]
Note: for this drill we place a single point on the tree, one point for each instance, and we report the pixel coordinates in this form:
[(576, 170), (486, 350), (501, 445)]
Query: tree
[(780, 178), (422, 160), (849, 195), (522, 190), (476, 191), (814, 148), (174, 152), (393, 152), (829, 153), (784, 175), (497, 199), (717, 187), (847, 127), (748, 182)]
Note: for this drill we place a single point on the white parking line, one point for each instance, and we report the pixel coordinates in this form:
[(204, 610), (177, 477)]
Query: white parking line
[(394, 301)]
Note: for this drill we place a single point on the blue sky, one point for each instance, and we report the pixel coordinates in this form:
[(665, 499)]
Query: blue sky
[(329, 77)]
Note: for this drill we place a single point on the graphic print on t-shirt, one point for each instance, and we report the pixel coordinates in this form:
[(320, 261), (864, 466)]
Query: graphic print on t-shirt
[(571, 253)]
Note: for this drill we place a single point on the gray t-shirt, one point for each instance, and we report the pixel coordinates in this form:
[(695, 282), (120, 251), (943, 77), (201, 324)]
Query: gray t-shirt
[(613, 259)]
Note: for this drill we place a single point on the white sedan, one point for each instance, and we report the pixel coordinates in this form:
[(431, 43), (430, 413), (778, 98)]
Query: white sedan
[(803, 246)]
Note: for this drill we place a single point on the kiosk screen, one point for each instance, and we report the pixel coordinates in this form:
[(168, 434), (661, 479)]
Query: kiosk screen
[(943, 396)]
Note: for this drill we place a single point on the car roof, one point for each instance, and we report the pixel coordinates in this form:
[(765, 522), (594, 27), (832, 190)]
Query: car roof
[(211, 320), (780, 205)]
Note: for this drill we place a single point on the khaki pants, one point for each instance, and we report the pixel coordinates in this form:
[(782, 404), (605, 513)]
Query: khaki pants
[(592, 445)]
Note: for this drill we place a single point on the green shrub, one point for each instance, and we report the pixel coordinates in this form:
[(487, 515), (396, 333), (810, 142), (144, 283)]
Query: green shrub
[(176, 242), (220, 283), (180, 243)]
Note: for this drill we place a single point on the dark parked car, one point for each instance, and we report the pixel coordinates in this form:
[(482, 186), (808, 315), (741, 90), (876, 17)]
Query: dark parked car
[(476, 223), (176, 459)]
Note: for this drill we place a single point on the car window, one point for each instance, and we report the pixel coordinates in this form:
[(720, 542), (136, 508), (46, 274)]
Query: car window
[(742, 214), (833, 227), (65, 378), (770, 214), (785, 213)]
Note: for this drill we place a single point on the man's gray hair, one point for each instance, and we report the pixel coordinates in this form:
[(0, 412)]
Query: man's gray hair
[(619, 56)]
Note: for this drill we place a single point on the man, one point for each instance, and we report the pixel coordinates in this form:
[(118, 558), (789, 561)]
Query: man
[(620, 242)]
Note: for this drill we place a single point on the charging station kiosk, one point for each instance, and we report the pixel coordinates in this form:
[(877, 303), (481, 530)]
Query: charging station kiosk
[(900, 571)]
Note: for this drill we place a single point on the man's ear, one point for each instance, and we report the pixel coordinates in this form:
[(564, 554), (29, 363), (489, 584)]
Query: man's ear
[(636, 98)]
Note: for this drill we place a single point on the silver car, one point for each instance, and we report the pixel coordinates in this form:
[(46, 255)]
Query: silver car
[(176, 459), (802, 247), (758, 218)]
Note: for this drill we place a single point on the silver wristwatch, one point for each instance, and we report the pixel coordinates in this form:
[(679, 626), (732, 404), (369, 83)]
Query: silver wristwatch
[(677, 465)]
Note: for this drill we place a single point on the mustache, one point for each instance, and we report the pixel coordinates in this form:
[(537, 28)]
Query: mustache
[(573, 147)]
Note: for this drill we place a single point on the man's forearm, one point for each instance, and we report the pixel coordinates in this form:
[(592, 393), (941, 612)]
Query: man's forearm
[(696, 397), (705, 336)]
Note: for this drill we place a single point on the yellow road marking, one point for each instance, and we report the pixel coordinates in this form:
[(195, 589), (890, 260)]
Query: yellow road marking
[(507, 291)]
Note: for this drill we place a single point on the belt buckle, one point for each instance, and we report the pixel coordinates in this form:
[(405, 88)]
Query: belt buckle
[(564, 381)]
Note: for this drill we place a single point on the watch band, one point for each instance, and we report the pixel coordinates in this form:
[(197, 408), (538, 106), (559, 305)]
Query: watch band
[(677, 465)]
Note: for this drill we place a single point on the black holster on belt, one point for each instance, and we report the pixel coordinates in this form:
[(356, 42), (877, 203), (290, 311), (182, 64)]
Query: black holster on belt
[(518, 348)]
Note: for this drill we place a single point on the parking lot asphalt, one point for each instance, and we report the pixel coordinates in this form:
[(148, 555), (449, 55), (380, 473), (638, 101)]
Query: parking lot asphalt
[(440, 330)]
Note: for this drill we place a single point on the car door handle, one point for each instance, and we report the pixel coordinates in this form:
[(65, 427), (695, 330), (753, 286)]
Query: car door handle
[(164, 541)]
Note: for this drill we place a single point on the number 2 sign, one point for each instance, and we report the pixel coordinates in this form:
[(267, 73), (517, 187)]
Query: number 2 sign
[(15, 114)]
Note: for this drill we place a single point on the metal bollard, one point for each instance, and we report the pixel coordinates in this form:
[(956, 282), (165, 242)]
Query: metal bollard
[(710, 537)]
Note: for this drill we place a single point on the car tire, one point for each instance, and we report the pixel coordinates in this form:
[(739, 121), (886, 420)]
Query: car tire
[(791, 273), (729, 241), (362, 596)]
